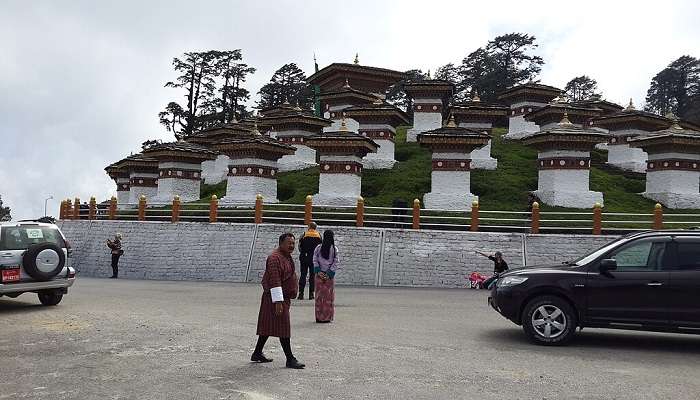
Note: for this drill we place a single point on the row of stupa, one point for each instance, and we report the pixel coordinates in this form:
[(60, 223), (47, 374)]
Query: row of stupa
[(357, 130)]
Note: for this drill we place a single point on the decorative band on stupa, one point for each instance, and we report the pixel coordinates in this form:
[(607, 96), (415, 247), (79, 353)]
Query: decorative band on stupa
[(564, 162), (179, 169), (451, 147), (673, 167), (340, 159)]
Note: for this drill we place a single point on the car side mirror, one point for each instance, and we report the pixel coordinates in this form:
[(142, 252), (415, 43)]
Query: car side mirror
[(609, 264)]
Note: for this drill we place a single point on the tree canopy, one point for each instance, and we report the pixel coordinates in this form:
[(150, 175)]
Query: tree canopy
[(676, 89), (211, 81), (582, 88), (288, 84)]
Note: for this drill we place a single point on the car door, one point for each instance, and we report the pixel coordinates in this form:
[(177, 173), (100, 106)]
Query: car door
[(634, 294), (684, 284)]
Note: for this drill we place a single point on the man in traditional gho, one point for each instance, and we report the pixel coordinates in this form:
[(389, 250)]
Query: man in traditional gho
[(279, 286), (307, 244)]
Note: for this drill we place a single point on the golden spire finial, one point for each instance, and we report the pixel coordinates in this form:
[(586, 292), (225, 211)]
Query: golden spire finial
[(476, 97), (565, 120), (451, 123), (343, 127), (429, 74), (296, 105), (378, 101), (357, 59), (630, 106), (347, 84)]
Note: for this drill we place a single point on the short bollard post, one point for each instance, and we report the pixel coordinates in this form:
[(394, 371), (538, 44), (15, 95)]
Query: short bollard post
[(69, 209), (213, 208), (258, 209), (658, 217), (597, 219), (112, 208), (62, 210), (176, 209), (416, 214), (142, 208), (76, 209), (308, 209), (535, 218), (93, 208), (360, 212), (474, 224)]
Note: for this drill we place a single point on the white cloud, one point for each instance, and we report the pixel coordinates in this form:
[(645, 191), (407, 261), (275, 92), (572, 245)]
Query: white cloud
[(81, 82)]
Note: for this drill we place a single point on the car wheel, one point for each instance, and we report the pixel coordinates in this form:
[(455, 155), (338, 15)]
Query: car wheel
[(549, 320), (50, 297)]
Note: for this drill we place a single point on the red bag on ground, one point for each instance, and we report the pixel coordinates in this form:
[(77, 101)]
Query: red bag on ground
[(476, 280)]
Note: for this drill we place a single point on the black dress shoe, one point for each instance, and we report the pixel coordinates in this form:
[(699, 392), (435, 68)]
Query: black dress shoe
[(301, 296), (260, 358), (294, 363), (112, 277), (311, 296)]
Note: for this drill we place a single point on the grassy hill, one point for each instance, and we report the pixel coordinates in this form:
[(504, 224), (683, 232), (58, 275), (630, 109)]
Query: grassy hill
[(505, 188)]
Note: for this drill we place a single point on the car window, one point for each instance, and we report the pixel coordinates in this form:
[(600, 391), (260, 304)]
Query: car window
[(21, 237), (643, 255), (688, 254)]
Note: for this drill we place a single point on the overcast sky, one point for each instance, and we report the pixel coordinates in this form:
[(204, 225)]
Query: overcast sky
[(81, 82)]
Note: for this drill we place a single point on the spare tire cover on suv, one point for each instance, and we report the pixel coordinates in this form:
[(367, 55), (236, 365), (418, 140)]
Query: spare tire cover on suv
[(43, 261)]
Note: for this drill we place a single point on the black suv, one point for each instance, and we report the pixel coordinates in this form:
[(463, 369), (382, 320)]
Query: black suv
[(644, 281)]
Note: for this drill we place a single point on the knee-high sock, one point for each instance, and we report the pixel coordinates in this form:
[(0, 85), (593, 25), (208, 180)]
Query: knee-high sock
[(287, 347), (261, 344)]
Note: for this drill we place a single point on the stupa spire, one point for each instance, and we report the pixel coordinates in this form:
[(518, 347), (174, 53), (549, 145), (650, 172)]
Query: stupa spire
[(451, 123), (357, 59), (565, 120)]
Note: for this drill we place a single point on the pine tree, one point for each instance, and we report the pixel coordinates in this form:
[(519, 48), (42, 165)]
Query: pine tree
[(288, 84), (4, 212)]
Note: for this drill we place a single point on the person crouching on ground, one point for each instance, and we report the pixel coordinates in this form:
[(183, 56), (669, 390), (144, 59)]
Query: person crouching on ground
[(499, 266), (308, 242), (279, 284), (116, 250), (325, 265)]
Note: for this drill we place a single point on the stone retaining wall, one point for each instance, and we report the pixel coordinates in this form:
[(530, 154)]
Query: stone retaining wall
[(368, 256)]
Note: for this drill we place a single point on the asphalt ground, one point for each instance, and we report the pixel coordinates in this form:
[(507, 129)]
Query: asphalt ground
[(127, 339)]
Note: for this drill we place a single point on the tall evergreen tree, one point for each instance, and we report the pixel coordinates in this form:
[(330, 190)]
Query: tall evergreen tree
[(676, 88), (504, 61), (212, 81), (582, 88), (197, 76), (4, 212), (288, 84)]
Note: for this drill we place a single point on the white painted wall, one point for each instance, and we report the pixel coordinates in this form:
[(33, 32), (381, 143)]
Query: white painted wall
[(627, 158), (215, 171), (424, 121), (135, 192), (244, 189), (566, 187), (338, 189), (187, 189), (481, 157), (304, 157)]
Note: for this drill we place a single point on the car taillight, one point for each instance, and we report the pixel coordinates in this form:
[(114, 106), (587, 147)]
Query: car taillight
[(71, 273), (69, 248)]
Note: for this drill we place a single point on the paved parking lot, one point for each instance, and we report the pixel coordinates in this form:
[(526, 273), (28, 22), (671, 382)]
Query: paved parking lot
[(171, 340)]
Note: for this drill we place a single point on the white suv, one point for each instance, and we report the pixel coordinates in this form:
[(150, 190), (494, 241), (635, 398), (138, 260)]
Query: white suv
[(35, 257)]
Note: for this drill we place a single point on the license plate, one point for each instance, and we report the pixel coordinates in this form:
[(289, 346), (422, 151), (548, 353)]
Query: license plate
[(10, 275)]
